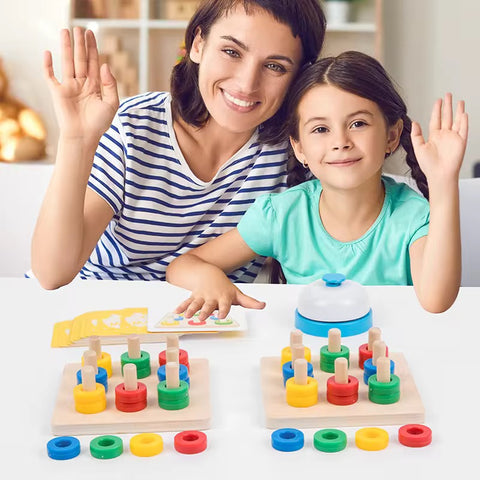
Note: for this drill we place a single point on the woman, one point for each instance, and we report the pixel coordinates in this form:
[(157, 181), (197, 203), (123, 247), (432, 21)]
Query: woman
[(135, 188)]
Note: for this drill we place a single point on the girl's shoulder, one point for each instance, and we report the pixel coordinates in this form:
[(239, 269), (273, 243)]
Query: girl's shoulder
[(402, 187), (403, 196)]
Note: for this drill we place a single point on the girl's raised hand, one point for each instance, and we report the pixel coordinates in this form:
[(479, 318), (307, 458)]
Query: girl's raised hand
[(441, 156), (86, 100)]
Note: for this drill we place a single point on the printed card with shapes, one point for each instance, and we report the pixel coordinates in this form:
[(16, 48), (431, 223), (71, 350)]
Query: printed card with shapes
[(173, 322)]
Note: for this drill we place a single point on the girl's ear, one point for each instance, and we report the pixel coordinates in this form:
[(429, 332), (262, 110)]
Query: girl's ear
[(197, 46), (297, 149), (394, 133)]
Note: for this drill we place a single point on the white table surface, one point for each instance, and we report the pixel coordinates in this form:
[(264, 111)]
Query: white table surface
[(441, 351)]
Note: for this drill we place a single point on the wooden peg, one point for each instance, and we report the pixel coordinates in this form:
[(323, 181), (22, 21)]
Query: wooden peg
[(172, 341), (383, 370), (300, 371), (130, 377), (172, 375), (172, 355), (298, 351), (379, 350), (374, 334), (95, 345), (88, 379), (341, 370), (134, 346), (334, 340), (296, 337), (90, 358)]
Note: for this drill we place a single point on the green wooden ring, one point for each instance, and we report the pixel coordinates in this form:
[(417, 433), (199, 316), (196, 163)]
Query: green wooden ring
[(142, 363), (330, 440), (173, 398), (106, 447), (384, 393), (327, 359)]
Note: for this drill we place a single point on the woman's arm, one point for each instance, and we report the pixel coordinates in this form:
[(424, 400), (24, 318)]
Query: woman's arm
[(436, 259), (72, 217), (203, 271)]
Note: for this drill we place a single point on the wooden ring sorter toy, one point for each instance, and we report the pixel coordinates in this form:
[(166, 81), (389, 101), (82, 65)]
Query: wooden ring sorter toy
[(85, 406), (341, 399)]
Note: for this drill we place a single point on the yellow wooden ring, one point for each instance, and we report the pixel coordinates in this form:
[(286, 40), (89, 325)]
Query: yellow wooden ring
[(302, 395), (146, 444), (371, 438), (105, 361), (90, 402), (287, 355)]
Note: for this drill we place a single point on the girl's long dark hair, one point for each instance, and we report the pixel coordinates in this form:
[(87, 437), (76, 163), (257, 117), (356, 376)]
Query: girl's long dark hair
[(305, 19), (362, 75)]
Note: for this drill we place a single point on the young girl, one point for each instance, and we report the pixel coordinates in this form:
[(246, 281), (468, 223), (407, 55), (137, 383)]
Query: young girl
[(346, 118), (173, 170)]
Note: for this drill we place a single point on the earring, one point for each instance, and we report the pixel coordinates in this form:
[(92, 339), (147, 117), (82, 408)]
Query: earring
[(388, 153), (305, 164)]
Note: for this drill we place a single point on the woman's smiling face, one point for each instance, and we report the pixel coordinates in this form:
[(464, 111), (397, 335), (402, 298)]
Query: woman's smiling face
[(246, 64)]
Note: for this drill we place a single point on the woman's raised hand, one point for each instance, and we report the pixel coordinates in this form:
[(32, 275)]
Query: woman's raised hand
[(86, 99), (441, 157)]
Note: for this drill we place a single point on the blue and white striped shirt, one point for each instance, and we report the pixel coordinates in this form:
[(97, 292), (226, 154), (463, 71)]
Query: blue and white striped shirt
[(161, 209)]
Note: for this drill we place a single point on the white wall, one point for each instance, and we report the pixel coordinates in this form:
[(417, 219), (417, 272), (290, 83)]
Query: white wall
[(431, 47)]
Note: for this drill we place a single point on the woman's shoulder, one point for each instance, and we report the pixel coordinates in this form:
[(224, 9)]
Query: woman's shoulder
[(149, 101)]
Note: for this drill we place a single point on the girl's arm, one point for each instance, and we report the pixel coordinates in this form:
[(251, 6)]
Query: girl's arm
[(72, 217), (203, 271), (436, 259)]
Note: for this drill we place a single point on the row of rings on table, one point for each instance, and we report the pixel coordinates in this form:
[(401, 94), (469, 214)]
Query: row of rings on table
[(141, 445), (333, 440)]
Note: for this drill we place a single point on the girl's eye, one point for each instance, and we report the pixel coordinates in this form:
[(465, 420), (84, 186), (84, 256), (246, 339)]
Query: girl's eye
[(275, 67), (320, 130), (358, 124)]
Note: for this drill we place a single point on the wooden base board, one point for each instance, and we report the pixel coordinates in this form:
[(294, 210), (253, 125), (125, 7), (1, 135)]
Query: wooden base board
[(278, 414), (67, 421)]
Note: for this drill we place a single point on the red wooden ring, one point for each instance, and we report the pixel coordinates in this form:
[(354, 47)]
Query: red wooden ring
[(131, 396), (342, 400), (415, 435), (190, 441), (364, 353), (342, 389), (130, 407), (182, 358)]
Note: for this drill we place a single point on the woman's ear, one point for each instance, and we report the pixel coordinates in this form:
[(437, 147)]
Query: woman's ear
[(394, 134), (197, 46), (298, 151)]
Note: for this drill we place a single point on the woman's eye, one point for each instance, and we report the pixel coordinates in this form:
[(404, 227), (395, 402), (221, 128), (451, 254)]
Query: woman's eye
[(231, 52)]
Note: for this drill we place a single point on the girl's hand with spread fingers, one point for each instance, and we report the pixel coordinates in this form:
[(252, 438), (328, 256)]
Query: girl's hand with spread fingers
[(218, 293), (86, 99), (440, 158)]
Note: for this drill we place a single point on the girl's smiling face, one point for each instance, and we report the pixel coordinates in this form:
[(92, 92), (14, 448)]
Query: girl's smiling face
[(343, 137), (246, 65)]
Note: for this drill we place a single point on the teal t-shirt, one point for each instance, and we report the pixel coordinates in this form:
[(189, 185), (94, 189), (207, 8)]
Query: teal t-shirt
[(287, 226)]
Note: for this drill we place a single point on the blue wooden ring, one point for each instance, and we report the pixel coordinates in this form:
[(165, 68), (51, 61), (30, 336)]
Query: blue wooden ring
[(287, 439), (63, 448)]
